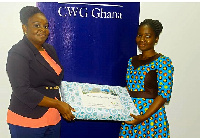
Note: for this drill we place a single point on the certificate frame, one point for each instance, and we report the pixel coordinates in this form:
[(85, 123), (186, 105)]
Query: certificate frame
[(71, 94)]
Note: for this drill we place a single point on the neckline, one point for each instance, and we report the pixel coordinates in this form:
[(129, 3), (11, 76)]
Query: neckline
[(136, 62), (42, 51), (149, 58)]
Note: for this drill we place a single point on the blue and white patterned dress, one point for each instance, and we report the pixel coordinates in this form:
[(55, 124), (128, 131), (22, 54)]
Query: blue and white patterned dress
[(157, 125)]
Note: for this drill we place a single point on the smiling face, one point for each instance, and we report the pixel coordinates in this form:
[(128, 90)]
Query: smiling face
[(36, 29), (146, 38)]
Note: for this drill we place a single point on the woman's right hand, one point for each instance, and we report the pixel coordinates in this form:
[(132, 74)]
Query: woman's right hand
[(65, 110)]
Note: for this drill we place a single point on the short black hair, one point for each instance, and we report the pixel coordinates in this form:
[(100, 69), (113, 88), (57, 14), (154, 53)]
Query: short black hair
[(154, 24), (27, 12)]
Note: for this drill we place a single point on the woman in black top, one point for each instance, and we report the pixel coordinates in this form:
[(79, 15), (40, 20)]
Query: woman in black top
[(35, 79)]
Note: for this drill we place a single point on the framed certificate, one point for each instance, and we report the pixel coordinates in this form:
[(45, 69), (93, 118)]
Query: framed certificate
[(98, 102)]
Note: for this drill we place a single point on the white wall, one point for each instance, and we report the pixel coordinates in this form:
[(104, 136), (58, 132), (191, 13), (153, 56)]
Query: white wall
[(179, 40)]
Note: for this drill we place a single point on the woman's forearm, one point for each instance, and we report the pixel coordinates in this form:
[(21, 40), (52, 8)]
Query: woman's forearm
[(49, 102), (64, 108), (159, 101)]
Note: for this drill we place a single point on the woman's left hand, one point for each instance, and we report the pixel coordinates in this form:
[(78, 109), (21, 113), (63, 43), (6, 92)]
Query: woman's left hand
[(137, 119)]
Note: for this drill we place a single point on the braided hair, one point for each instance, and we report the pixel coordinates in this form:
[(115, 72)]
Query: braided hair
[(154, 24), (27, 12)]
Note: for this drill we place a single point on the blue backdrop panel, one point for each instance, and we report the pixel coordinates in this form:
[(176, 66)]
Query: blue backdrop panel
[(94, 42)]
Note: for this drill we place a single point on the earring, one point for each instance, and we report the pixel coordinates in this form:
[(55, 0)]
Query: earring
[(25, 33)]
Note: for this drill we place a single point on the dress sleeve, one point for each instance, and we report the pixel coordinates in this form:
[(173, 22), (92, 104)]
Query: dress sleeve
[(129, 68), (165, 77), (17, 68)]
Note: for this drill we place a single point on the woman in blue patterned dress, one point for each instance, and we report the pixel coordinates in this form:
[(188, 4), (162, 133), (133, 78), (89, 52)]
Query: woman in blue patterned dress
[(149, 82)]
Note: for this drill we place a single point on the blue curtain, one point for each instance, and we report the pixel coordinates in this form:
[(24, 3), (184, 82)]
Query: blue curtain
[(94, 42)]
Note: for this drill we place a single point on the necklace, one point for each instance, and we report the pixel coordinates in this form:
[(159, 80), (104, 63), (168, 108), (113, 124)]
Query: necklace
[(41, 49)]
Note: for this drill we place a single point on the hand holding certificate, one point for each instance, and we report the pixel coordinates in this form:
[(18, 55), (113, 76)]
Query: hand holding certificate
[(98, 102)]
